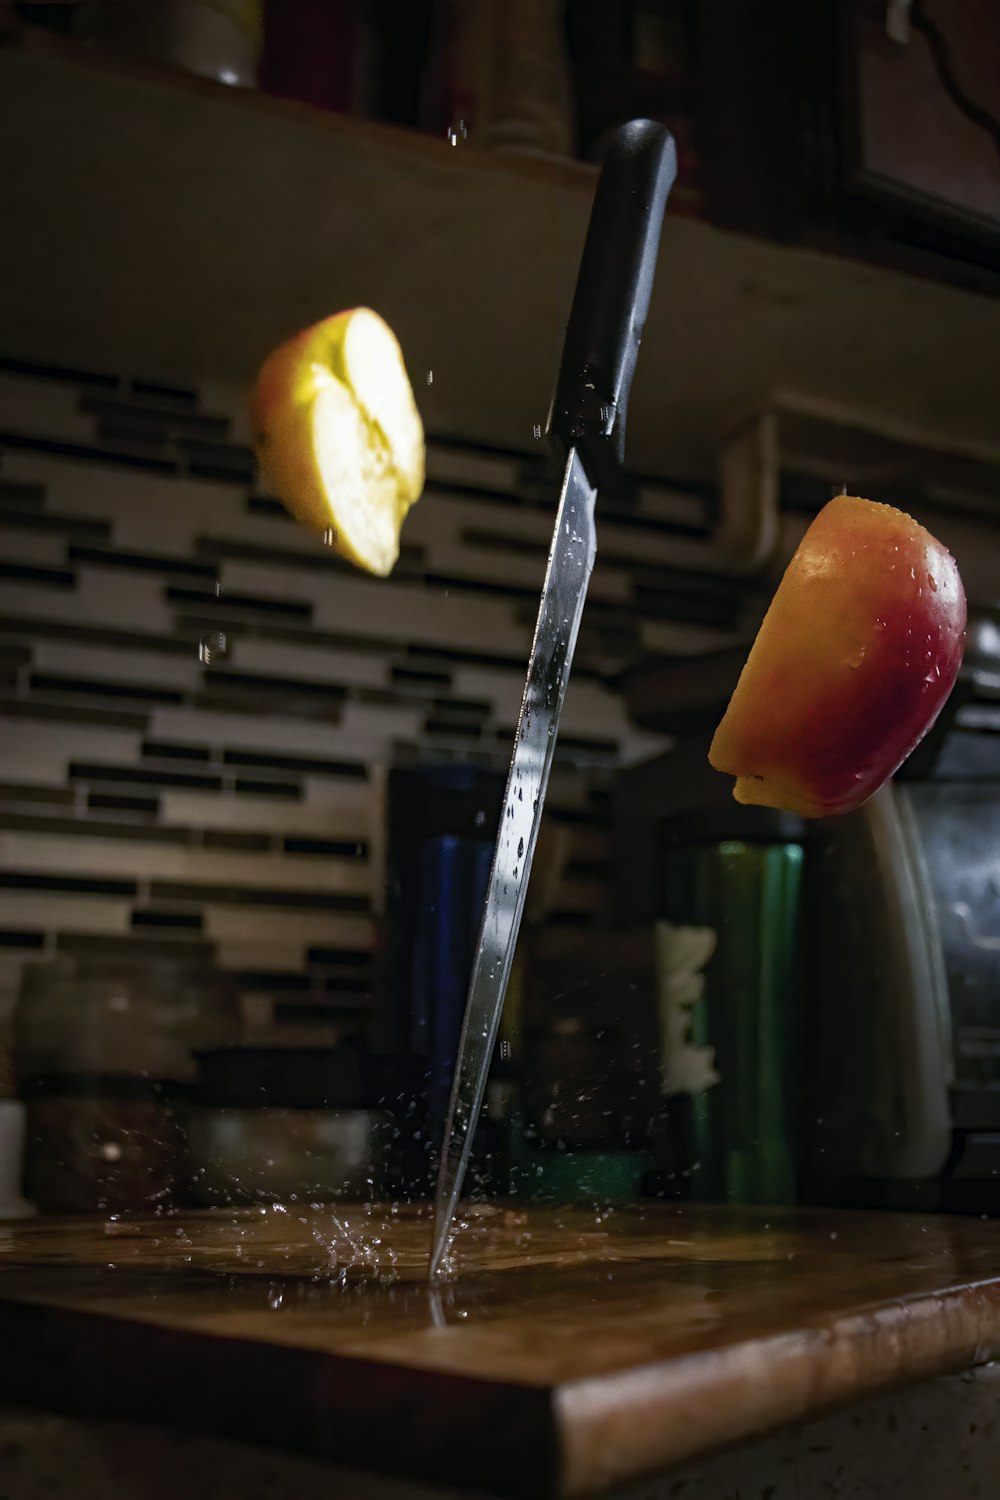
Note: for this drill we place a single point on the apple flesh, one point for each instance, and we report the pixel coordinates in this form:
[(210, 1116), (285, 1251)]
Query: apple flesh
[(852, 664), (339, 437)]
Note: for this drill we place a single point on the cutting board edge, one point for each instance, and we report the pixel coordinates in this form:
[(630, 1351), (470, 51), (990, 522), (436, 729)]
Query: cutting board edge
[(491, 1426), (623, 1428)]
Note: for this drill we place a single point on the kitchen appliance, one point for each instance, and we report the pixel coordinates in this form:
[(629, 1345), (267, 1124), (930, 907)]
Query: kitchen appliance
[(903, 913), (888, 1035), (587, 424)]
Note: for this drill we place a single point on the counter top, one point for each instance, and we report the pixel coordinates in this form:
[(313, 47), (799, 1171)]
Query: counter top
[(567, 1352)]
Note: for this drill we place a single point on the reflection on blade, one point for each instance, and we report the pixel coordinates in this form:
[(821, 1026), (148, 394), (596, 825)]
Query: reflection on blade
[(571, 560)]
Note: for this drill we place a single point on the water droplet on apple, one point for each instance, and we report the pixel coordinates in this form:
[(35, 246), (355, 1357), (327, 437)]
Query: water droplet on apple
[(212, 646), (932, 583)]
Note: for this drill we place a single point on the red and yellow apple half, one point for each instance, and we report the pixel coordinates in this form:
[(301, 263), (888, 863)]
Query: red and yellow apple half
[(852, 664), (339, 437)]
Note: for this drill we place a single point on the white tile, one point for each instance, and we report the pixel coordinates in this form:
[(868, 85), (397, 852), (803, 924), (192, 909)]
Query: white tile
[(314, 929), (308, 663), (276, 955), (462, 466), (20, 545), (667, 638), (330, 809), (112, 858), (38, 911), (388, 611), (264, 732), (43, 409), (103, 596), (111, 665), (40, 750)]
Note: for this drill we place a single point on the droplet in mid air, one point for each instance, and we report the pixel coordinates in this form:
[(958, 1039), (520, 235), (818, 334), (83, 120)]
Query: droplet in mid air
[(212, 647)]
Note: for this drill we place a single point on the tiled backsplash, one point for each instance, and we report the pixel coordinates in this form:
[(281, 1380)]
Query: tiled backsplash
[(200, 703)]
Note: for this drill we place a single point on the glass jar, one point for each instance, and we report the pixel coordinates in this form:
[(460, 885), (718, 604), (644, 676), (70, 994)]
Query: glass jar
[(103, 1051)]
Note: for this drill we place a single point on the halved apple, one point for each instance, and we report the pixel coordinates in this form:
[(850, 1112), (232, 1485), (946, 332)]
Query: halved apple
[(852, 664), (339, 437)]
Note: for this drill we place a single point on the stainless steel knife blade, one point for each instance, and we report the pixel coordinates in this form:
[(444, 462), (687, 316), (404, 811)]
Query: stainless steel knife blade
[(571, 561), (587, 424)]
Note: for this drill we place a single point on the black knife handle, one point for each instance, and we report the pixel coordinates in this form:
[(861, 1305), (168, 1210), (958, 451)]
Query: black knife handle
[(612, 293)]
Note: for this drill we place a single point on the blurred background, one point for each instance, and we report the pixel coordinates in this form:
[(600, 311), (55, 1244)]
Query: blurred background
[(248, 796)]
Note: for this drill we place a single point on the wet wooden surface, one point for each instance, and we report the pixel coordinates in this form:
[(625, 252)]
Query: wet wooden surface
[(566, 1351)]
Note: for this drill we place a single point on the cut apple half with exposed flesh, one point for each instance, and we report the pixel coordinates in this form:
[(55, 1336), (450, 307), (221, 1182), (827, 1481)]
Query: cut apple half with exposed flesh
[(339, 437)]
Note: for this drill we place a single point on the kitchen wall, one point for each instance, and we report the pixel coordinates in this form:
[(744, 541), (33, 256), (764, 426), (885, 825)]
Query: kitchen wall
[(200, 703)]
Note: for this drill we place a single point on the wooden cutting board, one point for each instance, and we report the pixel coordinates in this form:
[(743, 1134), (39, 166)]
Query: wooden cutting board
[(567, 1352)]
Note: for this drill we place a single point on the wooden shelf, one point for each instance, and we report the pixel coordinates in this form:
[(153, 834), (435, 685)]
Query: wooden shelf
[(179, 229)]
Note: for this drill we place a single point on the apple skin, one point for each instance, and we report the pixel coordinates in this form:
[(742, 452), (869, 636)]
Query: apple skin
[(852, 664), (339, 437)]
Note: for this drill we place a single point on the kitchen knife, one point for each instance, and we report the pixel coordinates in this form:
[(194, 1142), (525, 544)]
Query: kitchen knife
[(587, 426)]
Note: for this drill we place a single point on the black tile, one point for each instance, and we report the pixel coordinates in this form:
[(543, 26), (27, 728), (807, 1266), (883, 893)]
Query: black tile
[(14, 656), (10, 938), (224, 461), (570, 919), (265, 505), (320, 1013), (24, 791), (461, 729), (178, 395), (187, 921), (288, 609), (166, 750), (114, 802), (270, 980), (70, 885), (449, 583), (349, 770), (328, 848), (340, 957), (94, 828), (132, 433), (144, 946), (256, 684), (577, 817), (155, 417), (72, 630), (144, 562), (344, 985), (46, 682), (498, 541), (139, 776), (68, 374), (89, 452), (588, 869), (22, 494), (465, 708), (71, 713), (688, 608), (465, 658), (179, 890), (417, 678), (231, 838), (70, 526), (28, 573), (251, 788)]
